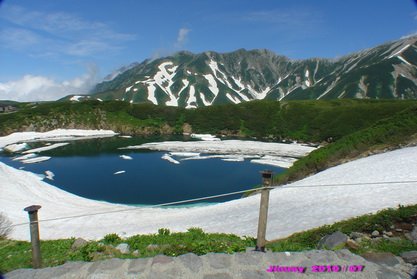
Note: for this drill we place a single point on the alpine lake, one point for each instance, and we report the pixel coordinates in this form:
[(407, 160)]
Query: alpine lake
[(87, 169)]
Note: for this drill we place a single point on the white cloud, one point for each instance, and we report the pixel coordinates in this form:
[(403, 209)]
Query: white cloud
[(58, 33), (40, 88), (182, 37)]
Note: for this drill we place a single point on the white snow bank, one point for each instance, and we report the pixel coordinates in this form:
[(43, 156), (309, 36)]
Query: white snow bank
[(125, 157), (293, 208), (229, 147), (56, 135), (16, 147), (282, 162), (205, 137), (45, 148)]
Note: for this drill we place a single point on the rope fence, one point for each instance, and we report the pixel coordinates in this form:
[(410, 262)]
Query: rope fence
[(213, 197), (262, 221)]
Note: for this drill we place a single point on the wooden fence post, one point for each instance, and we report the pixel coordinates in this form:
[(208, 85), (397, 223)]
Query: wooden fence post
[(34, 235), (263, 210)]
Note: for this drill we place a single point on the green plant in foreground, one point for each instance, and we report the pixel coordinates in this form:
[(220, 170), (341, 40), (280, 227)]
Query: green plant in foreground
[(111, 238)]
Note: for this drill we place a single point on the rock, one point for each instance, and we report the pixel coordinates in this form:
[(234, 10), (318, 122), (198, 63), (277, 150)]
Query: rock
[(398, 230), (388, 259), (79, 243), (413, 234), (352, 244), (376, 239), (333, 241), (136, 253), (375, 233), (410, 257), (123, 248), (390, 234), (356, 235)]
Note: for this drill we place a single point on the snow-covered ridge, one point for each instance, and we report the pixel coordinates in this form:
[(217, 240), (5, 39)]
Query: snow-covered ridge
[(287, 211)]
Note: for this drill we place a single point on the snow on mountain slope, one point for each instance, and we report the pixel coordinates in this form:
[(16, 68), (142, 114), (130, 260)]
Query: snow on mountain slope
[(242, 76), (293, 207)]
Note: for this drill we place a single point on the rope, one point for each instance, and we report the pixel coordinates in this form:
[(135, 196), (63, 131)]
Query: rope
[(212, 197)]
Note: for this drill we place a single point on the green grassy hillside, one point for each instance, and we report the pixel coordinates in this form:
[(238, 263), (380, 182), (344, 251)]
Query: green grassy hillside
[(313, 121)]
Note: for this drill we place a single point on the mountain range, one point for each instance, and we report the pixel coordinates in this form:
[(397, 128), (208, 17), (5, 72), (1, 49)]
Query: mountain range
[(192, 80)]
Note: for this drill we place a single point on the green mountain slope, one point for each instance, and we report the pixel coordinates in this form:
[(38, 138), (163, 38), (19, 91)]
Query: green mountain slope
[(192, 80)]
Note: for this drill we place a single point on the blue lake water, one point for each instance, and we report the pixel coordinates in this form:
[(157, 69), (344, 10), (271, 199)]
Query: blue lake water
[(86, 168)]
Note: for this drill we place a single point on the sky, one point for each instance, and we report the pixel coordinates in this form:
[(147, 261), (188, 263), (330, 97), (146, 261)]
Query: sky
[(52, 48)]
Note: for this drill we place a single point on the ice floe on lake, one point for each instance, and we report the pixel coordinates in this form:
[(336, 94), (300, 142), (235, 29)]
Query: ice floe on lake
[(125, 157), (49, 175), (45, 148), (271, 153), (169, 159), (24, 157), (36, 160)]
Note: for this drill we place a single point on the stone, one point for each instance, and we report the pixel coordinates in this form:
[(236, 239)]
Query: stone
[(79, 243), (390, 234), (333, 241), (254, 274), (191, 261), (218, 260), (375, 233), (384, 258), (171, 273), (217, 276), (123, 248), (112, 264), (413, 234), (137, 266), (352, 244), (161, 259), (356, 235), (385, 273), (346, 255), (409, 257), (248, 258), (136, 253), (398, 230)]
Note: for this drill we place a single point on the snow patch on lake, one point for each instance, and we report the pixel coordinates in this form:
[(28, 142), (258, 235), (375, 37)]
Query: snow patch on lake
[(125, 157), (169, 159), (279, 152), (36, 160), (45, 148), (49, 175), (24, 157)]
